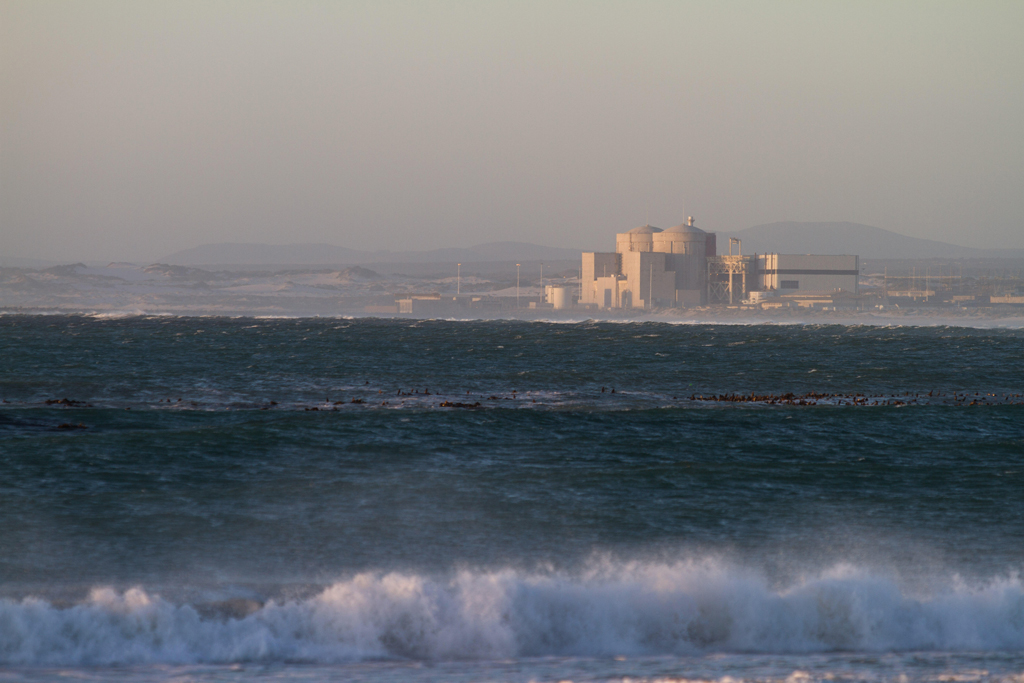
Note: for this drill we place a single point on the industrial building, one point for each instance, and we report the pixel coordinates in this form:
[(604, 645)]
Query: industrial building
[(559, 297), (680, 267), (787, 272), (650, 268)]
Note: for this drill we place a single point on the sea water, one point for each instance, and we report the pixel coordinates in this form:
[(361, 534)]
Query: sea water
[(329, 499)]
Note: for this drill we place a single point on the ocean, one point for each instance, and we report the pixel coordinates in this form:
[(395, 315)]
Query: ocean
[(220, 499)]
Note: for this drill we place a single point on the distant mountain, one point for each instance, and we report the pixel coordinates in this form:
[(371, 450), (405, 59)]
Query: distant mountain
[(501, 251), (231, 253), (850, 238), (242, 253), (17, 262)]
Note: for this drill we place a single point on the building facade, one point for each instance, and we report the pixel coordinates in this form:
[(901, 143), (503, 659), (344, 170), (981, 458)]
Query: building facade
[(650, 268), (808, 272), (679, 267)]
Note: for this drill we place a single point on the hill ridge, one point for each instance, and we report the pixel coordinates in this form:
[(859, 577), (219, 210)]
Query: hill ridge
[(321, 253), (784, 237), (844, 237)]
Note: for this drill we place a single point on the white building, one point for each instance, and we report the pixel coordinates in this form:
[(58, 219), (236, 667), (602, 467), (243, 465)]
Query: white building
[(679, 267), (650, 267)]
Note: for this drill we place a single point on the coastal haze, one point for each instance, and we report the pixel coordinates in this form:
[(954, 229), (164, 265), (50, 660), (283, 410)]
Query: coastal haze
[(512, 342), (130, 131), (900, 279)]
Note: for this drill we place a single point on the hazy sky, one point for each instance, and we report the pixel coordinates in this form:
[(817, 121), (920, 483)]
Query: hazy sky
[(129, 130)]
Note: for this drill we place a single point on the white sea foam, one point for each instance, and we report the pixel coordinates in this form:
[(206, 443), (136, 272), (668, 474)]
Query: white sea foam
[(613, 609)]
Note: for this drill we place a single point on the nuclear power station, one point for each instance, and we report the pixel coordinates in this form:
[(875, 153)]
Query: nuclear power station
[(680, 268), (676, 268)]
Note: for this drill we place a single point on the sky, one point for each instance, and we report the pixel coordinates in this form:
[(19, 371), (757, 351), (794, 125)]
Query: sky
[(130, 130)]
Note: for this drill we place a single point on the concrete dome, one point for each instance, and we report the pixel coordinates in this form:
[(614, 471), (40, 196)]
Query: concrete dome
[(637, 239), (683, 240), (683, 227)]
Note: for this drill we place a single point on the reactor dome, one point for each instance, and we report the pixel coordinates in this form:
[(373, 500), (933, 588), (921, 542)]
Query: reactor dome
[(637, 239), (682, 239), (683, 227)]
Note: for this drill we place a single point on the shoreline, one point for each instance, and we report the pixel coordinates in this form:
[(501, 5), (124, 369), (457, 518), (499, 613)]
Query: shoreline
[(965, 317)]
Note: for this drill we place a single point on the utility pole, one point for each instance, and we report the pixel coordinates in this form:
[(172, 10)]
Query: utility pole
[(458, 280), (543, 294)]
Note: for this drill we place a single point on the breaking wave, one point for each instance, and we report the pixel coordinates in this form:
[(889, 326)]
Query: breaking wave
[(614, 609)]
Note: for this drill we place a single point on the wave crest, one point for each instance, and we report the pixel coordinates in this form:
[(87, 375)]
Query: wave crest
[(624, 609)]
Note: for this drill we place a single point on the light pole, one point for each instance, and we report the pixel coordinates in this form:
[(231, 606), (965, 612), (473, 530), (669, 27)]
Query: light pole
[(517, 285), (458, 280)]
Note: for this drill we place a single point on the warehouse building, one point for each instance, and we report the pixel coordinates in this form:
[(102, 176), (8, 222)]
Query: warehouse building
[(813, 272)]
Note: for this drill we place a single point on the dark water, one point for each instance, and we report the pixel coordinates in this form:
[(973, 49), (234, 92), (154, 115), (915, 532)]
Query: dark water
[(206, 518)]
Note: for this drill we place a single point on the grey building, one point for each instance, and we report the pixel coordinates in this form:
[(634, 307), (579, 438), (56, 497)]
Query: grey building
[(808, 272)]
